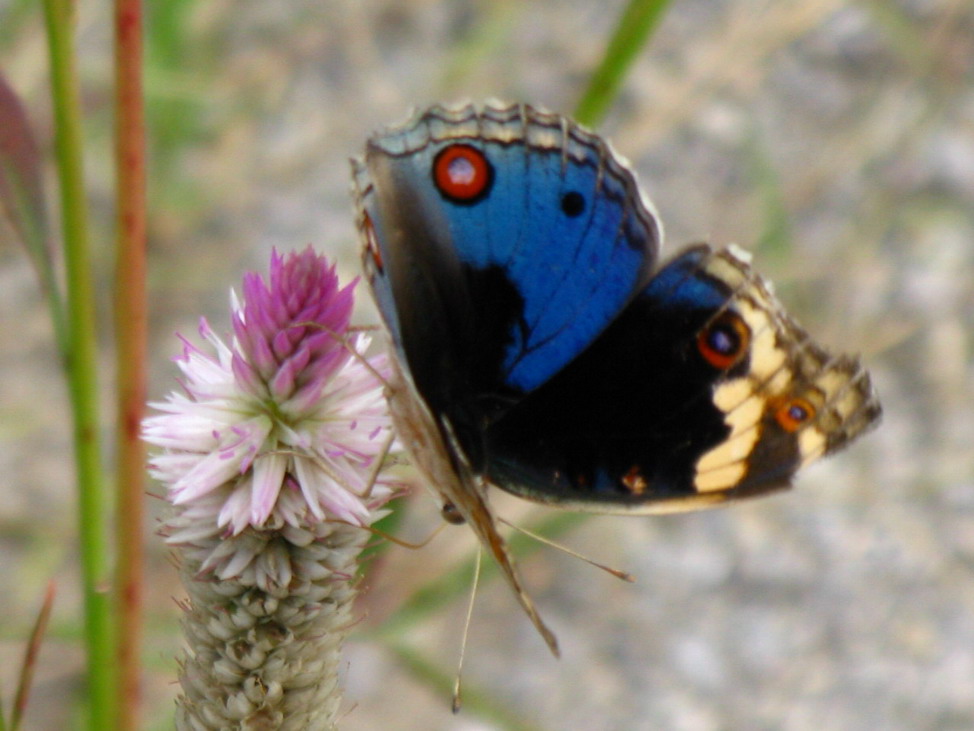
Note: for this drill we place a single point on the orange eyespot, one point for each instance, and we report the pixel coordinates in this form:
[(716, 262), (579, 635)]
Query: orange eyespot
[(462, 173), (794, 413), (724, 341), (372, 243)]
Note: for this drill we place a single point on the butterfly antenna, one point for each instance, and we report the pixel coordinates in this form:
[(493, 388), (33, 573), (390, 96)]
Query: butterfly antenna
[(373, 472), (624, 575), (349, 346), (457, 701)]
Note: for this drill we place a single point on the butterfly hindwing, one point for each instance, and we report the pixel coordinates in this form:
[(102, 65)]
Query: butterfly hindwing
[(714, 393)]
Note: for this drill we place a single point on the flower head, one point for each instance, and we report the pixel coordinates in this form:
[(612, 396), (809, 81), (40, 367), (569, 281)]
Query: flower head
[(278, 431)]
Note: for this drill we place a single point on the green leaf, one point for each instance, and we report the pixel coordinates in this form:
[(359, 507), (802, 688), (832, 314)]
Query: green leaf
[(22, 198), (21, 193)]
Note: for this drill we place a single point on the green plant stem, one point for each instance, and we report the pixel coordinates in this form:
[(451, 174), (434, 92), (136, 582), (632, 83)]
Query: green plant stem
[(130, 352), (637, 23), (82, 367)]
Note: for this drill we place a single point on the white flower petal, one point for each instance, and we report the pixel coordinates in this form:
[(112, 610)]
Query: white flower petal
[(268, 476), (235, 511)]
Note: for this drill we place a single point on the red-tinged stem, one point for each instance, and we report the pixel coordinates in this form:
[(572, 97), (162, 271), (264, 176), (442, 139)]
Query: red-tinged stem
[(30, 658), (130, 329)]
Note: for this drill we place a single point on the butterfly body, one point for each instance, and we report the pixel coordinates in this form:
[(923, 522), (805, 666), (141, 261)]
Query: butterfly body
[(543, 349)]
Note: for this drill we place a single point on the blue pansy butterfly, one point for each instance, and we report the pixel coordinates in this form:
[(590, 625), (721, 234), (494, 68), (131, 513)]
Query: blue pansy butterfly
[(539, 346)]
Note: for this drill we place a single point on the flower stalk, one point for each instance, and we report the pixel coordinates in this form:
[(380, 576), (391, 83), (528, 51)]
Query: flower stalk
[(81, 363), (268, 460), (131, 335)]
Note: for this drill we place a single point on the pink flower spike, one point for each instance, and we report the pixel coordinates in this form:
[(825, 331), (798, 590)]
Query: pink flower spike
[(271, 408), (270, 489)]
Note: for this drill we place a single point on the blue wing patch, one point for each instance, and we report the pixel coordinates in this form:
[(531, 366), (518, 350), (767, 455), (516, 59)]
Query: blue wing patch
[(562, 220)]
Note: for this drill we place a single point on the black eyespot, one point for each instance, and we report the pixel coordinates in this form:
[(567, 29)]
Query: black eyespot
[(572, 203)]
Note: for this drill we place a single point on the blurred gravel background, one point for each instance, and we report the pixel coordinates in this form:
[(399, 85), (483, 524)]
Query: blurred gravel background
[(834, 139)]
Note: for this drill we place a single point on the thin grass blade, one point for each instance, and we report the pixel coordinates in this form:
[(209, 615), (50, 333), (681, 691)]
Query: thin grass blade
[(636, 25), (30, 658)]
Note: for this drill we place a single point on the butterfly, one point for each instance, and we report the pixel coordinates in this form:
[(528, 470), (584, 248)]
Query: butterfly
[(540, 346)]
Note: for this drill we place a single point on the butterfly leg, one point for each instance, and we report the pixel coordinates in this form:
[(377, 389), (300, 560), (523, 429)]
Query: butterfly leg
[(440, 461)]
